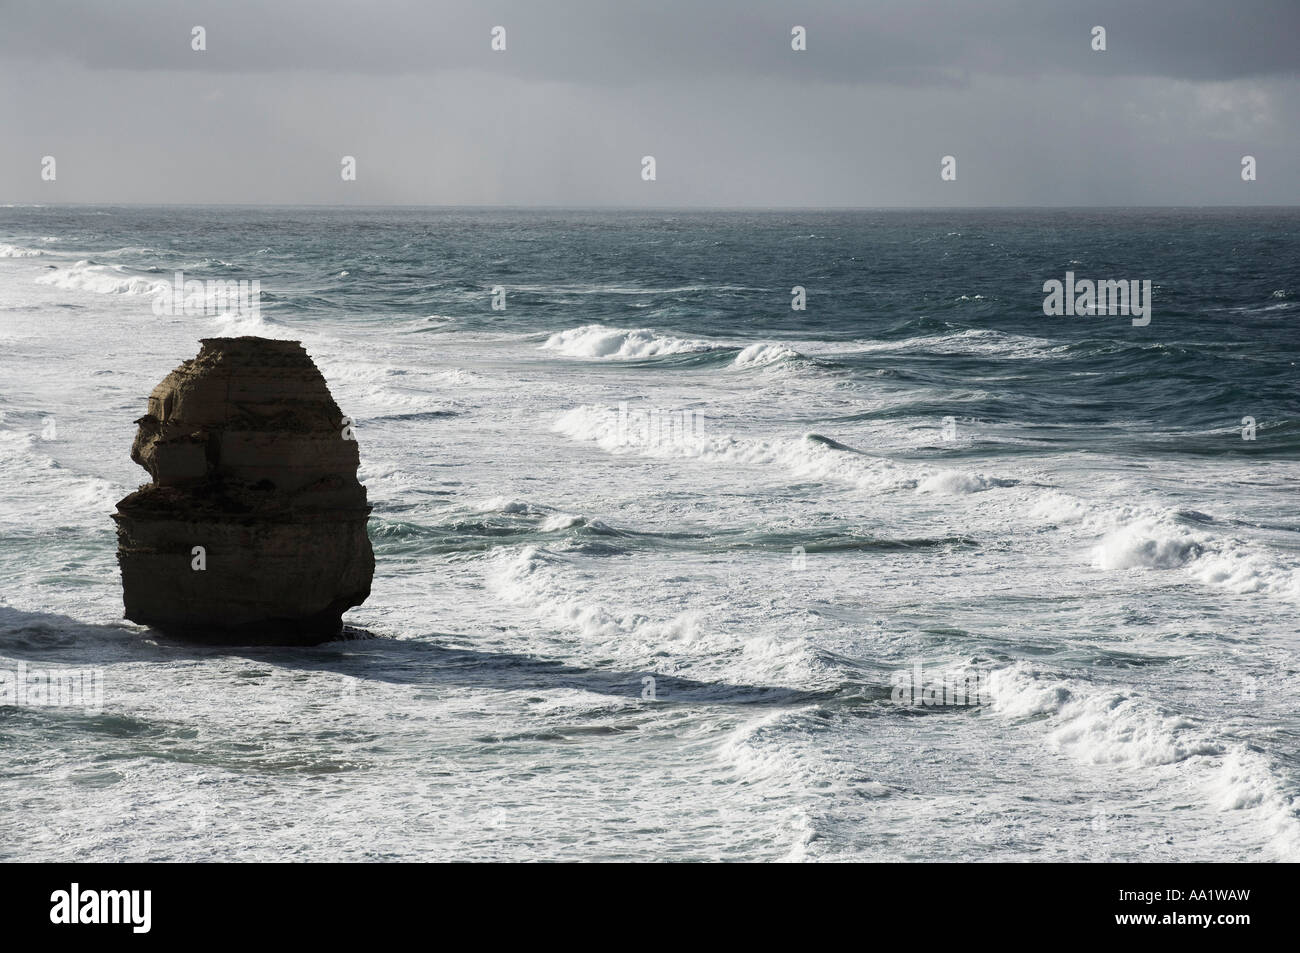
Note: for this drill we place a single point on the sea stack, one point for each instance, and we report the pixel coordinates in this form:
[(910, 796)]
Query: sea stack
[(253, 530)]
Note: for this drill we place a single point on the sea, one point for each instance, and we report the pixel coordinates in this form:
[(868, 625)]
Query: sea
[(700, 536)]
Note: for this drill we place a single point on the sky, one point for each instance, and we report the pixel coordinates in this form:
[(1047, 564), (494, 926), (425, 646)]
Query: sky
[(733, 116)]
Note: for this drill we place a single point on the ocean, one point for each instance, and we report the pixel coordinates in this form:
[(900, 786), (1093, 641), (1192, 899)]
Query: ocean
[(669, 568)]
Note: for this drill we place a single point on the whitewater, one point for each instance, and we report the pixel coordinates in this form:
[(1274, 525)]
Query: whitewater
[(595, 641)]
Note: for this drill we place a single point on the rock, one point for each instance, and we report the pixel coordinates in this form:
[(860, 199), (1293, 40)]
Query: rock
[(253, 530)]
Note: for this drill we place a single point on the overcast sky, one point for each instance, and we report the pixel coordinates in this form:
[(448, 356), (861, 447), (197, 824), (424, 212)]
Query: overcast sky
[(710, 88)]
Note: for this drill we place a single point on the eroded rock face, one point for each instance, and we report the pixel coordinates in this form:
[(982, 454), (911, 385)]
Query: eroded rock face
[(253, 530)]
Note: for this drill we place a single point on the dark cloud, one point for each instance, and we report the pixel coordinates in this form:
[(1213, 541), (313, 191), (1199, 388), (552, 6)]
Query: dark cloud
[(710, 87), (620, 43)]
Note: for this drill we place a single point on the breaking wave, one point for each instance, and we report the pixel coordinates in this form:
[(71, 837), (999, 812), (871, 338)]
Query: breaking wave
[(599, 341), (762, 354), (101, 279), (811, 456), (1116, 727), (14, 251)]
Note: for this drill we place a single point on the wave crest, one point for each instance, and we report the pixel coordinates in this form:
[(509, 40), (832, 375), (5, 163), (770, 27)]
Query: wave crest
[(763, 353), (599, 341), (101, 279), (15, 251)]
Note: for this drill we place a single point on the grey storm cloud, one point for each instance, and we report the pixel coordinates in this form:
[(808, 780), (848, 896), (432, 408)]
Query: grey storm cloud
[(711, 88), (606, 41)]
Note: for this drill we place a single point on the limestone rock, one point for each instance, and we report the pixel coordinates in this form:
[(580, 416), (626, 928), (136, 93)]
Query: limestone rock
[(253, 530)]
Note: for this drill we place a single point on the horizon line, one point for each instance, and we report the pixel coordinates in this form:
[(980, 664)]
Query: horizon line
[(636, 208)]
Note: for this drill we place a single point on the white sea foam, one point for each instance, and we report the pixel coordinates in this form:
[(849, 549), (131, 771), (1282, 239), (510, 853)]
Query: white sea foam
[(755, 754), (550, 586), (1150, 537), (1236, 566), (1115, 727), (808, 457), (1156, 542), (1245, 782), (561, 521), (1147, 544), (237, 324), (1100, 726), (101, 279), (599, 341), (662, 626), (761, 354), (504, 504), (41, 494), (1053, 506), (955, 482), (973, 341), (551, 519), (1131, 537), (15, 251), (742, 781)]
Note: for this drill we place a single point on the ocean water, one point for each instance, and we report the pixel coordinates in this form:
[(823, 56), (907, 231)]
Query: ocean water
[(658, 554)]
